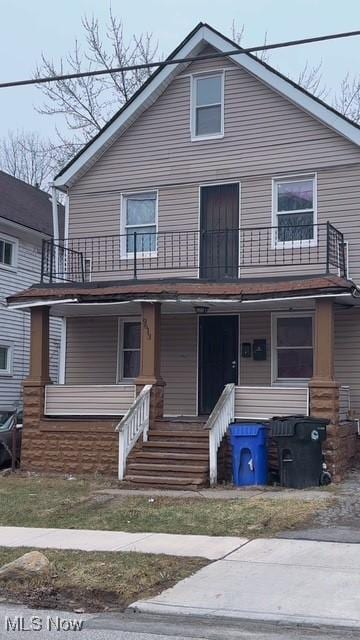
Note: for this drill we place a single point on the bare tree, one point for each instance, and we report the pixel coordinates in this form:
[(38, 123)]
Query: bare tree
[(27, 157), (347, 101), (310, 77), (87, 103)]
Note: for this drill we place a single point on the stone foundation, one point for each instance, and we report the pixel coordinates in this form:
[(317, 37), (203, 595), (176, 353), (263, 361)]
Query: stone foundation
[(77, 446)]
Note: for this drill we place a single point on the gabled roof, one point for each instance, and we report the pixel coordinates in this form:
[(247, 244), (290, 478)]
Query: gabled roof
[(27, 206), (156, 84)]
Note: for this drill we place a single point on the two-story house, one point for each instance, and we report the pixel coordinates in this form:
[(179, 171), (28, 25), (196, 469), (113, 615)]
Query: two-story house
[(208, 271), (25, 221)]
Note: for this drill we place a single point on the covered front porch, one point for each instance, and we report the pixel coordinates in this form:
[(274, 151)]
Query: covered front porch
[(138, 368)]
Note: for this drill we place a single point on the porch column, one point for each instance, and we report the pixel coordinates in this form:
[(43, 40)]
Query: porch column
[(150, 356), (324, 390), (39, 346), (34, 388)]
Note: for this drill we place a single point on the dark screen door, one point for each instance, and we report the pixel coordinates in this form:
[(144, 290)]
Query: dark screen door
[(219, 235), (218, 358)]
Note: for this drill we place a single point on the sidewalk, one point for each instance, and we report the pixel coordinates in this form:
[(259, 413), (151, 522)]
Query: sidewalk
[(289, 581), (209, 547)]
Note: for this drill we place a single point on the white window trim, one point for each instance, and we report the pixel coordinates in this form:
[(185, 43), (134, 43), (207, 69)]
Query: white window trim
[(274, 318), (9, 369), (15, 244), (124, 255), (120, 352), (207, 136), (296, 244)]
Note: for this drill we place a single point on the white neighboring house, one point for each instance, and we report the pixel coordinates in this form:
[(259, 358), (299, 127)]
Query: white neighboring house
[(25, 220)]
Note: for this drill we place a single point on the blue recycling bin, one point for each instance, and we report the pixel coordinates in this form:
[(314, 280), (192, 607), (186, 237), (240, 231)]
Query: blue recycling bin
[(249, 451)]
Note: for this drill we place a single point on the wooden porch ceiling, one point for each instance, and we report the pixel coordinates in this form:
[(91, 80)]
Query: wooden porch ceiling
[(239, 290)]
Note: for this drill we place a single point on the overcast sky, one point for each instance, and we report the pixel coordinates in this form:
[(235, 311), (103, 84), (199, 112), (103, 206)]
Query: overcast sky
[(28, 27)]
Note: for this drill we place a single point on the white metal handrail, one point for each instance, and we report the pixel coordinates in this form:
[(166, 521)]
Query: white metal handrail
[(217, 424), (133, 424)]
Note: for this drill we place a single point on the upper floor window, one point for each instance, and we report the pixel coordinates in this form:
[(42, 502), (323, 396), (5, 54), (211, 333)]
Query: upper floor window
[(295, 210), (7, 252), (207, 109), (139, 224)]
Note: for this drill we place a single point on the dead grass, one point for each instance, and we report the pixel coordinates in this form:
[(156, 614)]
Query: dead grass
[(93, 581), (57, 502)]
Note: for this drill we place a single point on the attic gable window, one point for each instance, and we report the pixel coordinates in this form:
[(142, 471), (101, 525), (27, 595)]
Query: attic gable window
[(207, 108)]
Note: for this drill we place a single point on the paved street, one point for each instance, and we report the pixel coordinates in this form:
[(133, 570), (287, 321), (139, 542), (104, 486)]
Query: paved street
[(149, 627)]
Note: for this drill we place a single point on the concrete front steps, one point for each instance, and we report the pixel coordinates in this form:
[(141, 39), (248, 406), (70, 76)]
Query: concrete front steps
[(176, 456)]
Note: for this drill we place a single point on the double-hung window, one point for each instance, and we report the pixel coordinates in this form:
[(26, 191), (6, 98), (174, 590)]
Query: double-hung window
[(207, 109), (7, 252), (129, 352), (292, 347), (139, 224), (295, 210), (5, 360)]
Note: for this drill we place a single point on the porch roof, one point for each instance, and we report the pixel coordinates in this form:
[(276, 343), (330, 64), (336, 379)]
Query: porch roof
[(240, 290)]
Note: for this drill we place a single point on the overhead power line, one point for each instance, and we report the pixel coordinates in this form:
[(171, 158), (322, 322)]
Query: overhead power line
[(173, 61)]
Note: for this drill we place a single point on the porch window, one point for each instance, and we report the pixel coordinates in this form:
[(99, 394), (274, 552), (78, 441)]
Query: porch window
[(5, 360), (7, 252), (129, 350), (207, 109), (293, 347), (139, 215), (295, 211)]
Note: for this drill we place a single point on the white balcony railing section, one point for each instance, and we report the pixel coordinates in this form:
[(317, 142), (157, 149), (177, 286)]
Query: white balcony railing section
[(218, 422), (133, 424)]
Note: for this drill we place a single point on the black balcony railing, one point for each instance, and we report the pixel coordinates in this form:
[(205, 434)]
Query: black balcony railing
[(214, 255)]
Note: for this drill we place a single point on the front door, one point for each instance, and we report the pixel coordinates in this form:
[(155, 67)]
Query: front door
[(218, 358), (219, 232)]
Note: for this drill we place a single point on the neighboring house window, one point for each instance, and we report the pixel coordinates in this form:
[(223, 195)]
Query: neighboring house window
[(139, 214), (295, 210), (129, 349), (5, 359), (7, 252), (207, 109), (292, 347)]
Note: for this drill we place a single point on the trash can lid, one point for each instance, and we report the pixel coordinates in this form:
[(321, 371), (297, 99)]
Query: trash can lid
[(246, 428)]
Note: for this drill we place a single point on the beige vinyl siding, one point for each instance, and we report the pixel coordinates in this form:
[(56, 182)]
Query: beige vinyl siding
[(253, 326), (264, 132), (179, 364), (347, 352), (263, 403), (91, 350), (265, 136), (71, 400)]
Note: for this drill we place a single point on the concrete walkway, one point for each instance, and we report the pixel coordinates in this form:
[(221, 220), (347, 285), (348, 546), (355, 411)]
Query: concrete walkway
[(292, 581), (209, 547), (224, 493)]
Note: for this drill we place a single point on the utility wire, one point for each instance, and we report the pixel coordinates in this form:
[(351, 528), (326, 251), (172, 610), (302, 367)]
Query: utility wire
[(173, 61)]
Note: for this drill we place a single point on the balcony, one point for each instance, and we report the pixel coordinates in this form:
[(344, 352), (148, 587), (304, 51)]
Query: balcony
[(223, 255)]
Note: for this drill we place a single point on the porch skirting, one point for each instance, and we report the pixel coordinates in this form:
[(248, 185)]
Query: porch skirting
[(74, 446)]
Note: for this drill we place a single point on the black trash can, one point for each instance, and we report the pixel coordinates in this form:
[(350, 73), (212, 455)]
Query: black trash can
[(299, 444)]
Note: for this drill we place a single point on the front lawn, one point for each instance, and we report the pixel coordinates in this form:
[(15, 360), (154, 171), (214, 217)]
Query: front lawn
[(92, 581), (58, 502)]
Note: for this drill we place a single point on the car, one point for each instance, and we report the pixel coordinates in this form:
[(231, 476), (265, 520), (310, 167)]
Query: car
[(10, 420)]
